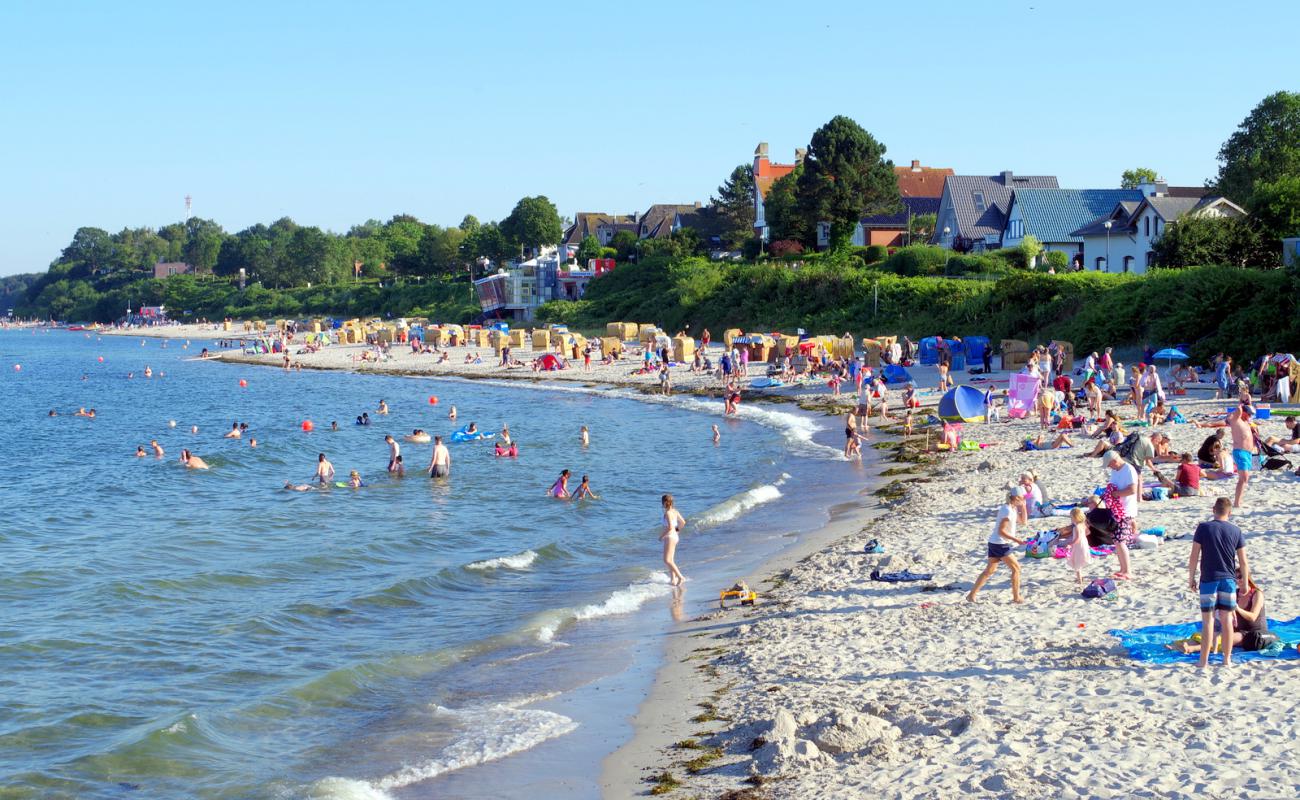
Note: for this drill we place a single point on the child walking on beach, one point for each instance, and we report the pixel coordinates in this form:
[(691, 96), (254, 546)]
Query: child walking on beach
[(1000, 543), (1079, 552)]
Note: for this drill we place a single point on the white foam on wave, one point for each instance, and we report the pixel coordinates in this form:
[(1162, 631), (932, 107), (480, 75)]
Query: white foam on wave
[(739, 504), (622, 601), (487, 733), (517, 561), (797, 429)]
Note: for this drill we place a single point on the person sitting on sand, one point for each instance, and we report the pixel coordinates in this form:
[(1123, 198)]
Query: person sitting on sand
[(1000, 544), (1187, 482), (192, 461), (1250, 628), (233, 433), (1164, 455)]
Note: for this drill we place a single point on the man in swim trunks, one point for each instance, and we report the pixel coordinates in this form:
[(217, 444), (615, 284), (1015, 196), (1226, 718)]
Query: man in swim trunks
[(440, 463), (157, 448), (394, 452), (233, 433), (1244, 449)]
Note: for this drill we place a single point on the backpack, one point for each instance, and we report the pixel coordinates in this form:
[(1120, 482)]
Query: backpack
[(1101, 587), (1125, 448)]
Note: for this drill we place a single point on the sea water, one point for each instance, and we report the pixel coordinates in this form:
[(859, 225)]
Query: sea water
[(167, 632)]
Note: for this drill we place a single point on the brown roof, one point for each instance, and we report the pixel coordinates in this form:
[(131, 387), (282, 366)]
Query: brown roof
[(1188, 191), (585, 224), (919, 181), (657, 221)]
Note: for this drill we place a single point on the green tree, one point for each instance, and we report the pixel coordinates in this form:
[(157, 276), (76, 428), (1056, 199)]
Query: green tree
[(1138, 175), (440, 250), (625, 242), (920, 228), (781, 210), (734, 205), (1030, 247), (89, 252), (1276, 206), (203, 240), (1201, 240), (469, 223), (307, 257), (533, 222), (845, 177), (487, 241), (1265, 147), (402, 234), (588, 249)]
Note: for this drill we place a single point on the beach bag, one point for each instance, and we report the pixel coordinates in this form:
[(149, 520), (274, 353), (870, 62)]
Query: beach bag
[(1277, 463), (1041, 545), (1101, 527), (1099, 588)]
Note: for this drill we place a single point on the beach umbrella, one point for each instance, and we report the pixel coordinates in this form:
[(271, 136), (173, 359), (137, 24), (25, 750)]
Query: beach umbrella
[(1171, 354)]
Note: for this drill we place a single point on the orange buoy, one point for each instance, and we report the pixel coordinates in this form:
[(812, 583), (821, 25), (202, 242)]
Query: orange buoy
[(433, 401), (243, 384), (307, 426), (101, 359)]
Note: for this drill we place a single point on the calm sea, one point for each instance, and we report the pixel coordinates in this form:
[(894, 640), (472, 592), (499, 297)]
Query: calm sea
[(175, 633)]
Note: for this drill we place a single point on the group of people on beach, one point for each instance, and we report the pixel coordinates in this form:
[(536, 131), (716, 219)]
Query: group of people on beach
[(1230, 602)]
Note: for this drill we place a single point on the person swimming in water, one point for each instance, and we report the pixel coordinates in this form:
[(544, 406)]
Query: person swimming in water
[(324, 469), (585, 435), (252, 442), (233, 433), (157, 448), (192, 461), (584, 491), (383, 406), (418, 436), (505, 434), (471, 429), (139, 451), (52, 413), (399, 470), (451, 415), (513, 452), (354, 480), (560, 489), (290, 486), (334, 426), (717, 434), (500, 450)]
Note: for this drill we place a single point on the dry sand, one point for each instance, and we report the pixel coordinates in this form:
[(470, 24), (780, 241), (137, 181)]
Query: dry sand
[(838, 686)]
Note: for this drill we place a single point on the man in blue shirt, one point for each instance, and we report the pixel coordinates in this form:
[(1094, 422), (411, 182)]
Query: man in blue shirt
[(1217, 547)]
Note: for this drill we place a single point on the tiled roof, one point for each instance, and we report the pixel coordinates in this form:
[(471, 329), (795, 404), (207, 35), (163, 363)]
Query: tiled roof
[(918, 181), (973, 223), (657, 221), (1052, 215), (1187, 191), (585, 224), (703, 221), (913, 206)]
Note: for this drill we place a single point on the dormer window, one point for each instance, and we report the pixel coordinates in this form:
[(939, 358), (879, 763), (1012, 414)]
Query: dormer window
[(978, 199)]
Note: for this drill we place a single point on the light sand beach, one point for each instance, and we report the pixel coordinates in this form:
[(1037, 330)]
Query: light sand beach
[(840, 686)]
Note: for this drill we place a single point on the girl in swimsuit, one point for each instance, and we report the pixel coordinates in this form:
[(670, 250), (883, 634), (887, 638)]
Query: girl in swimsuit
[(584, 491), (673, 524), (560, 489)]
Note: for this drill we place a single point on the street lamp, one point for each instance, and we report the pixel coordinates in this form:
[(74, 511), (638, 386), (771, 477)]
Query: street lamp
[(1107, 225), (946, 232)]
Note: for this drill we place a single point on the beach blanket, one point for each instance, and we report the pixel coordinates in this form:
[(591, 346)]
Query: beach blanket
[(1148, 644), (899, 577)]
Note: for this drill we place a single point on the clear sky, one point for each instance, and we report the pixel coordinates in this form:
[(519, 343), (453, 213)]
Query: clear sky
[(336, 112)]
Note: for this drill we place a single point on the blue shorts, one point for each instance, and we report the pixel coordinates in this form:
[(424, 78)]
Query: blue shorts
[(1221, 594), (1002, 551), (1243, 460)]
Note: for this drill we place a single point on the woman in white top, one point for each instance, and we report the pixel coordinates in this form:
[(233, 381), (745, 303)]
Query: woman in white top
[(673, 524), (1000, 543)]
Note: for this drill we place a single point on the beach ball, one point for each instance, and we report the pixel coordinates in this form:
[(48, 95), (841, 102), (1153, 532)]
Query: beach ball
[(171, 423), (307, 426), (433, 401), (243, 384), (101, 359)]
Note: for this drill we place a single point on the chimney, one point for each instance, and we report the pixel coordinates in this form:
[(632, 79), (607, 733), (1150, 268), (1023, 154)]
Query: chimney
[(1156, 188), (916, 165), (761, 150), (1006, 177), (697, 203), (800, 153)]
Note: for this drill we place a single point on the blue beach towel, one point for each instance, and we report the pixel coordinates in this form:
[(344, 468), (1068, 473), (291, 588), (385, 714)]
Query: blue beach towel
[(1148, 644)]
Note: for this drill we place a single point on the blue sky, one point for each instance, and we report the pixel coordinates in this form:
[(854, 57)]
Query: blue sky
[(333, 113)]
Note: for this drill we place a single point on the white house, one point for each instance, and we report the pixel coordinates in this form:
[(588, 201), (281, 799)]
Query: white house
[(1123, 240)]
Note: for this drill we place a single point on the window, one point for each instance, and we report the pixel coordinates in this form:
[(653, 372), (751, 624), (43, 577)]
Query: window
[(1157, 226), (1151, 258), (978, 199), (1100, 262), (1128, 263), (1146, 225), (1017, 229)]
